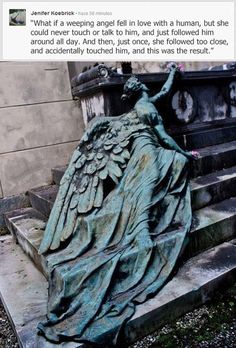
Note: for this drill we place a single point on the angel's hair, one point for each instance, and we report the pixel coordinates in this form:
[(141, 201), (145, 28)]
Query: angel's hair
[(133, 86)]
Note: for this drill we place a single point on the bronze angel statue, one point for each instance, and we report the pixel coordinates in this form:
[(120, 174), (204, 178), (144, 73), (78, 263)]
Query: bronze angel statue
[(119, 222)]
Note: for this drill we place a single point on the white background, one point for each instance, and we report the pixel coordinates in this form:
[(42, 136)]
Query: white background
[(16, 40)]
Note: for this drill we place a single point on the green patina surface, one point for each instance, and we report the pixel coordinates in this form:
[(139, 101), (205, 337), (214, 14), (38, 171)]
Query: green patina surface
[(119, 222)]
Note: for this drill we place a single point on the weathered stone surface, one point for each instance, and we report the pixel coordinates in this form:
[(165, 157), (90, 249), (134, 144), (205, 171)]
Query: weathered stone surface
[(94, 104), (22, 170), (212, 188), (23, 290), (213, 158), (212, 225), (193, 285), (155, 66), (27, 228), (25, 83), (212, 104), (210, 91), (26, 127), (36, 111), (1, 193), (42, 198), (11, 203), (201, 138), (57, 174), (22, 287)]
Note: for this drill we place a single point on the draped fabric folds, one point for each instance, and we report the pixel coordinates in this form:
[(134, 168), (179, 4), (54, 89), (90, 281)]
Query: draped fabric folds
[(122, 252)]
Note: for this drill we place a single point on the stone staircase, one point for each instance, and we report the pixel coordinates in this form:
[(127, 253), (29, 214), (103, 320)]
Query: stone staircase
[(210, 257)]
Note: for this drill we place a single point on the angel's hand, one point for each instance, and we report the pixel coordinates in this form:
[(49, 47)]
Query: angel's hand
[(172, 66), (175, 67), (192, 155)]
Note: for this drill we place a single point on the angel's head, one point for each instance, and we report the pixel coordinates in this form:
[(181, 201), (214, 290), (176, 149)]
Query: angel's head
[(132, 88)]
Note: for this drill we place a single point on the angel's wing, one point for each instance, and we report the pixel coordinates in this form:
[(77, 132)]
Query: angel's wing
[(102, 152)]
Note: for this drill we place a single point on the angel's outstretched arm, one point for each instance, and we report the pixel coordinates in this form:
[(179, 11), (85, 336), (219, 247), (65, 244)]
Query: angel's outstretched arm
[(166, 87), (169, 143)]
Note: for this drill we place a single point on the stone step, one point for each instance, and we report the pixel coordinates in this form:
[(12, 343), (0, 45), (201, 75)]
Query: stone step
[(206, 137), (205, 190), (42, 198), (27, 227), (23, 291), (57, 174), (213, 187), (211, 226), (212, 158), (194, 284), (10, 203)]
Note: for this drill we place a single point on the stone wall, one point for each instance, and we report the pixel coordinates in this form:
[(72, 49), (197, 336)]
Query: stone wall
[(152, 67), (142, 67), (40, 124)]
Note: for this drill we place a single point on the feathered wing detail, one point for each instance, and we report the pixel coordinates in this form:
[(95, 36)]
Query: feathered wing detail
[(102, 152)]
